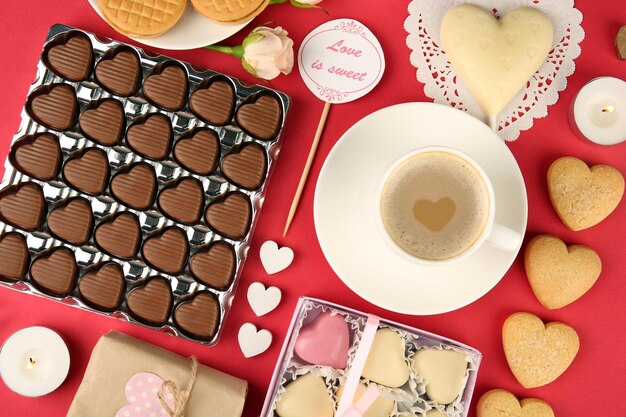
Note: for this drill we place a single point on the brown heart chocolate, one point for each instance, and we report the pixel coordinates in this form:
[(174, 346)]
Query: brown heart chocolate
[(230, 216), (87, 171), (215, 102), (102, 286), (182, 200), (23, 205), (260, 117), (54, 106), (119, 235), (72, 221), (70, 56), (152, 302), (198, 317), (38, 156), (14, 255), (104, 123), (246, 167), (135, 186), (119, 71), (167, 86), (198, 151), (54, 272), (214, 266), (150, 136), (166, 250)]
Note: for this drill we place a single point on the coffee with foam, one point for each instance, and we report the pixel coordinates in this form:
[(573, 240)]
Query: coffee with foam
[(435, 205)]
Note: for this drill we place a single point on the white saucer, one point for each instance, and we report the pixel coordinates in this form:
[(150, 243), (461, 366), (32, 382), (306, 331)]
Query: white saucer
[(344, 219), (192, 31)]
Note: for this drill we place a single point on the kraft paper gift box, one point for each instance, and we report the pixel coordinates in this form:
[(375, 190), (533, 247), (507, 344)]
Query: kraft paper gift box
[(117, 358)]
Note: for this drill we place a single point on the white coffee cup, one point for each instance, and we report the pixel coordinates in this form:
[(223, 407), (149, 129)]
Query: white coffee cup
[(493, 234)]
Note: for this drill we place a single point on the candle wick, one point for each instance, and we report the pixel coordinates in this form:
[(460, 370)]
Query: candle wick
[(608, 109), (31, 363)]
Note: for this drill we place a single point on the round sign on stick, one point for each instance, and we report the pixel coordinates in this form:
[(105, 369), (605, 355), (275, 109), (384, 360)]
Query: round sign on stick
[(339, 61)]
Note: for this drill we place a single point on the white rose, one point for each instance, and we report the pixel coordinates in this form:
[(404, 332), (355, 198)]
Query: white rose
[(267, 52)]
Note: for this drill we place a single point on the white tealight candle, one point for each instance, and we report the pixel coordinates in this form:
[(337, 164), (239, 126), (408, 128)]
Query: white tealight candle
[(34, 361), (599, 111)]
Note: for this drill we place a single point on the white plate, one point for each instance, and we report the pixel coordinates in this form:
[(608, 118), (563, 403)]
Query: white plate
[(192, 31), (344, 219)]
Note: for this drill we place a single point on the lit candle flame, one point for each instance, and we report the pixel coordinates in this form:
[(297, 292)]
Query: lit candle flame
[(608, 109), (31, 363)]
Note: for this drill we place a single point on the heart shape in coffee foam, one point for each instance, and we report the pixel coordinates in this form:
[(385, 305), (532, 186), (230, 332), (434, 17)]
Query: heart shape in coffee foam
[(495, 58), (499, 403), (435, 216), (560, 274), (583, 196), (325, 341), (538, 353), (386, 363)]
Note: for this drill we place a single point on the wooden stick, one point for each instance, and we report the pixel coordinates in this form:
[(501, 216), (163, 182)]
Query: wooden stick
[(307, 167)]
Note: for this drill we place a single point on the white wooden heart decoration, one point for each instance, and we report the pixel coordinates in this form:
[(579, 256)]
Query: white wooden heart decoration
[(263, 301), (274, 259), (253, 342)]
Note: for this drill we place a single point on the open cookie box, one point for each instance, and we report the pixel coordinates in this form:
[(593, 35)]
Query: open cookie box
[(420, 372)]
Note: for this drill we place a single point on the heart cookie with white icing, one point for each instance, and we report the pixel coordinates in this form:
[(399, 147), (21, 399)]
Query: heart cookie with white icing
[(495, 58)]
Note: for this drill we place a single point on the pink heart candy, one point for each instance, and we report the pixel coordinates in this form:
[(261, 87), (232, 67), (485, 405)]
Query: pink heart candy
[(325, 341), (142, 394)]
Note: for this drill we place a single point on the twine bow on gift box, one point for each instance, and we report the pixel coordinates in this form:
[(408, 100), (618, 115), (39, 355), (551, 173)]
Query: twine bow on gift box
[(181, 397), (345, 407)]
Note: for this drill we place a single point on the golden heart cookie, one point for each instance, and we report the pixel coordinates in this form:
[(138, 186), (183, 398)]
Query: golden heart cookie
[(560, 274), (537, 353), (500, 403), (583, 196), (142, 18), (495, 58)]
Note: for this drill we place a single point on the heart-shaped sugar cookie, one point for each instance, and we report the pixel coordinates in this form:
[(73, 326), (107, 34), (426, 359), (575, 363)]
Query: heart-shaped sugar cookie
[(200, 316), (54, 106), (214, 266), (104, 123), (214, 103), (385, 363), (443, 371), (262, 300), (230, 216), (38, 156), (166, 250), (103, 286), (537, 353), (70, 56), (72, 222), (560, 274), (306, 396), (246, 167), (182, 200), (583, 196), (167, 87), (135, 186), (119, 235), (151, 303), (500, 403), (198, 151), (151, 136), (55, 271), (119, 71), (88, 171), (274, 259), (253, 342), (495, 58), (260, 117), (14, 255), (325, 341), (23, 205), (435, 216)]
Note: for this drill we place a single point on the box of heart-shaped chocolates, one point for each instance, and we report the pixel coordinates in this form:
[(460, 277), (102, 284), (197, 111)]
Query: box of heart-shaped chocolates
[(134, 183), (382, 368)]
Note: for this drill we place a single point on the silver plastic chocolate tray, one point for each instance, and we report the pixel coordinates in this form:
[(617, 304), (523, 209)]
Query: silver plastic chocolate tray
[(214, 185)]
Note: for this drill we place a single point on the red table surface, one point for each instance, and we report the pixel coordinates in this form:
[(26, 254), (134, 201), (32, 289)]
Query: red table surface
[(592, 383)]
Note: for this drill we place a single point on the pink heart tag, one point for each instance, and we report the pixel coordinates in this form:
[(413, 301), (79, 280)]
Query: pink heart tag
[(325, 341), (141, 392)]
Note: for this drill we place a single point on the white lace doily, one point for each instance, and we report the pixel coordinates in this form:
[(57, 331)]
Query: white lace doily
[(443, 85)]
